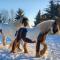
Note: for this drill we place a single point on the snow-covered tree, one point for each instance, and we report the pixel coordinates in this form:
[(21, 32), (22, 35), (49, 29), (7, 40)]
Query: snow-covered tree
[(38, 18)]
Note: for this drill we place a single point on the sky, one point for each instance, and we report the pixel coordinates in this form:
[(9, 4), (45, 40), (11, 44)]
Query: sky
[(30, 7)]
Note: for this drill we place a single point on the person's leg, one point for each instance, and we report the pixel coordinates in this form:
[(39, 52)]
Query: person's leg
[(28, 40), (18, 46), (14, 46), (25, 49)]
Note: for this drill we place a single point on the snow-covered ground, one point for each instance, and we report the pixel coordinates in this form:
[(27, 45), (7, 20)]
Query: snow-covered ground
[(53, 52)]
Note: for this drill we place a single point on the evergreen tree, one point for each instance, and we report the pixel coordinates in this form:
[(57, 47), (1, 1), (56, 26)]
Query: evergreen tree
[(58, 10), (20, 16), (20, 13), (38, 18), (4, 16), (52, 10), (0, 18)]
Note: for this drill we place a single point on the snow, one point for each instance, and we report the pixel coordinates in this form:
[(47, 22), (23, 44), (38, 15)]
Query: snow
[(52, 53)]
